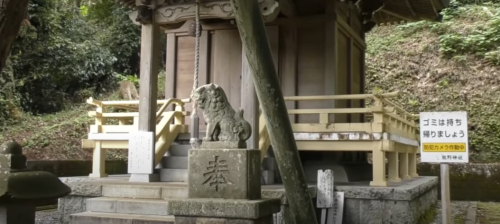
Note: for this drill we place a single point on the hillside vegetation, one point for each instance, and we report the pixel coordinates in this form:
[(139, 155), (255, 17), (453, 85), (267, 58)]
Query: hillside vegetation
[(451, 65), (448, 66)]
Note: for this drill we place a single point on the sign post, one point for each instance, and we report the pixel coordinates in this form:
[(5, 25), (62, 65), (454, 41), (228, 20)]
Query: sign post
[(444, 140)]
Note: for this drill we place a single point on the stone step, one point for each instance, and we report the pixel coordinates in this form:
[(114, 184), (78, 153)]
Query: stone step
[(174, 162), (179, 150), (187, 136), (145, 191), (173, 175), (115, 218), (128, 206)]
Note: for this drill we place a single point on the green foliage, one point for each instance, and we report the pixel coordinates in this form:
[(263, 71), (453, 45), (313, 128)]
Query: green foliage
[(56, 57), (453, 65), (66, 54), (118, 34)]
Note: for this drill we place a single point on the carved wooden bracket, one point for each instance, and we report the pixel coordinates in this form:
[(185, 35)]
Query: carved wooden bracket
[(144, 14), (208, 10)]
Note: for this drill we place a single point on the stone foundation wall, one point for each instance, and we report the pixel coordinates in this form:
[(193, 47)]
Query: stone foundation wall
[(469, 182), (68, 168), (402, 204)]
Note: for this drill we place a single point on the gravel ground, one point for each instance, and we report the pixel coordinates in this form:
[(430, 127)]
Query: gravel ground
[(458, 208)]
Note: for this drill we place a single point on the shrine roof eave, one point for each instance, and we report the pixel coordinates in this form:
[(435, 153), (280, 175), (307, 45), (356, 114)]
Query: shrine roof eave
[(396, 11)]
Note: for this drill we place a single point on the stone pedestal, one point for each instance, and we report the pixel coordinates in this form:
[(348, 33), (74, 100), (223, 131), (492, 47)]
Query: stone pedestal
[(224, 211), (224, 173), (224, 188)]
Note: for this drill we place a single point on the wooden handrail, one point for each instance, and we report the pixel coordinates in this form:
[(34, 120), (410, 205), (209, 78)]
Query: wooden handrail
[(340, 97), (397, 107), (128, 102), (125, 114), (330, 111), (399, 118), (177, 102)]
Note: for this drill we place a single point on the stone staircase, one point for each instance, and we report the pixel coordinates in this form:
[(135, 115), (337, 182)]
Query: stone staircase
[(124, 210), (143, 204), (173, 167)]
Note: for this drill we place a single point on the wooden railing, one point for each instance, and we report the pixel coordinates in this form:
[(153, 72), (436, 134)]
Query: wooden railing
[(105, 134), (392, 130)]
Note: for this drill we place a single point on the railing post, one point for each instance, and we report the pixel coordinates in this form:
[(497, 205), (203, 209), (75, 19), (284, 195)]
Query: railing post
[(99, 154), (180, 120), (324, 118), (135, 122), (378, 116), (122, 121), (378, 155)]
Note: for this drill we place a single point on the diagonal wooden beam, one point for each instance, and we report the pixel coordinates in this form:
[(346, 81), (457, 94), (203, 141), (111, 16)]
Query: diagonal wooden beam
[(410, 8)]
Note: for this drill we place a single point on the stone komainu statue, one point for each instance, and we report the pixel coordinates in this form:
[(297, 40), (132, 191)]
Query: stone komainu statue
[(223, 123)]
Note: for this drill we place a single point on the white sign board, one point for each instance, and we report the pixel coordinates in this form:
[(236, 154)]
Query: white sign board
[(141, 147), (338, 208), (444, 137)]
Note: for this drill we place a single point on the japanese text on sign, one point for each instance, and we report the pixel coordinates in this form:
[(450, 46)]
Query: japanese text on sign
[(443, 147), (444, 137)]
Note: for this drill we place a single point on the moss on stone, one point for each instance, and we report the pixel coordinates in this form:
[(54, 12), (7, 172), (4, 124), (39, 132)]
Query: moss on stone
[(488, 213), (429, 216)]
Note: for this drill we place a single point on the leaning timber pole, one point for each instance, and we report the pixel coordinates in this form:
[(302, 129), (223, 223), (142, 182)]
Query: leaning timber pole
[(267, 86), (12, 14)]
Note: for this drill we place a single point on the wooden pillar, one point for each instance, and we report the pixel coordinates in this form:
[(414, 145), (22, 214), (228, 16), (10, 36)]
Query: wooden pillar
[(393, 174), (170, 65), (253, 35), (378, 163), (150, 55), (99, 154), (412, 161), (249, 102), (330, 54), (288, 64)]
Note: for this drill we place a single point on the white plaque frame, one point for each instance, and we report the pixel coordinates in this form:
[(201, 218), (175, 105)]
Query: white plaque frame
[(141, 147)]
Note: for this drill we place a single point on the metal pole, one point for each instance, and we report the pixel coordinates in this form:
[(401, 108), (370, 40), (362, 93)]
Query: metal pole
[(445, 193)]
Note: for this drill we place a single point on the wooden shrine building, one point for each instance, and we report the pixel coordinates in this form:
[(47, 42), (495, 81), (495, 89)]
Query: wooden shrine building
[(319, 52)]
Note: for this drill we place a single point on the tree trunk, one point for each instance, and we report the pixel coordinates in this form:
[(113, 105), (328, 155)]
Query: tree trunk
[(267, 86), (12, 14)]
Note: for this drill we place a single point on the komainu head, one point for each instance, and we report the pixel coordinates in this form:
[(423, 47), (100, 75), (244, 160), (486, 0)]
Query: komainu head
[(206, 95)]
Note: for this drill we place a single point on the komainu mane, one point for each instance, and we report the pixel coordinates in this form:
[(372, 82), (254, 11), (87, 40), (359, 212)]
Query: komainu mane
[(223, 122)]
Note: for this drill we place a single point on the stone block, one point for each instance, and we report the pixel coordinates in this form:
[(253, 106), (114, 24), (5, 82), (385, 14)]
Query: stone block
[(403, 202), (71, 205), (199, 220), (224, 208), (224, 145), (90, 190), (116, 218), (132, 191), (48, 217), (224, 173), (174, 192)]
